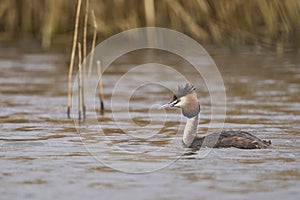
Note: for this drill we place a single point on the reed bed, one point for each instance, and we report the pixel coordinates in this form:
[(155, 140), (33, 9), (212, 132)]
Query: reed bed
[(82, 63), (270, 23)]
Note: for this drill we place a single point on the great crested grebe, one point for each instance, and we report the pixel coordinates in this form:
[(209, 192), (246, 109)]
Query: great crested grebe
[(186, 99)]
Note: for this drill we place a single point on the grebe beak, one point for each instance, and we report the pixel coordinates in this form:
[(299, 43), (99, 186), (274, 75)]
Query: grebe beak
[(168, 105)]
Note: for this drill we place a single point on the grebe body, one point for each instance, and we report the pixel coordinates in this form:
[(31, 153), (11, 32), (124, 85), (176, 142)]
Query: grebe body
[(186, 99)]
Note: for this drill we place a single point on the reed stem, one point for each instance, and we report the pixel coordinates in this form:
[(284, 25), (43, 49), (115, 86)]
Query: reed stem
[(100, 85), (92, 49), (149, 12), (84, 56), (80, 93), (72, 58)]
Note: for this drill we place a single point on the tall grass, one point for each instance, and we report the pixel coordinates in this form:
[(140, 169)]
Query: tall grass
[(271, 23)]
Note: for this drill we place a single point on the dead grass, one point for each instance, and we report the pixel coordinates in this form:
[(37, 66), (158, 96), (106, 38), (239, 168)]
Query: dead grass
[(269, 23)]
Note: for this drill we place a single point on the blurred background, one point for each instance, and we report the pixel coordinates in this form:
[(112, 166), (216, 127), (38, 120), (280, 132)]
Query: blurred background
[(271, 24)]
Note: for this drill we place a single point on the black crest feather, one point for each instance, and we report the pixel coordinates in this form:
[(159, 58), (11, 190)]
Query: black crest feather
[(183, 90)]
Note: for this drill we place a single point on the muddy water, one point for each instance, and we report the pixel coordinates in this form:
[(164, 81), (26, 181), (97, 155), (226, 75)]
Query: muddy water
[(42, 155)]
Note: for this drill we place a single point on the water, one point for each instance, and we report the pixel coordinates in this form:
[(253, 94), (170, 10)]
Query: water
[(42, 155)]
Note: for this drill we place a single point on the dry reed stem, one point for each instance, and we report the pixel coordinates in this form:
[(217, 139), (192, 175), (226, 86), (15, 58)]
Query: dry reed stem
[(50, 23), (92, 50), (150, 17), (100, 85), (84, 55), (149, 12), (80, 93), (72, 58)]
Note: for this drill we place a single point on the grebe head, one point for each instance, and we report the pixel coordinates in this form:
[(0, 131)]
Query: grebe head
[(186, 99)]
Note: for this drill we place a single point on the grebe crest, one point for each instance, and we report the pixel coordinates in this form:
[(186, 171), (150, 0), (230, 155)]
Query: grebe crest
[(186, 99)]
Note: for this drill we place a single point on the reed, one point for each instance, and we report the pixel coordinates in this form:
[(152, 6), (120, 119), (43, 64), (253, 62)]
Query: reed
[(92, 50), (72, 58), (268, 23), (84, 55), (49, 23), (149, 12), (80, 89), (100, 86)]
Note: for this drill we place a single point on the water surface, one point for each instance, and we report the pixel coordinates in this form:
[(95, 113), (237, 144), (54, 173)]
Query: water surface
[(42, 155)]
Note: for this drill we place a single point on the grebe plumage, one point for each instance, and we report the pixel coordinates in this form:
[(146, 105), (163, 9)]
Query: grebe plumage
[(186, 99)]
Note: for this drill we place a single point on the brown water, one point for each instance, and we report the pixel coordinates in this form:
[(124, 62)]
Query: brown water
[(42, 156)]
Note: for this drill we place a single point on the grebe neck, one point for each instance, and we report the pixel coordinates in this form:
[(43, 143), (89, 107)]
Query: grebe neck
[(190, 130)]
